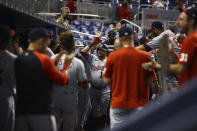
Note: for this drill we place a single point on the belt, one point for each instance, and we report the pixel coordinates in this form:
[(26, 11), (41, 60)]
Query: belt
[(67, 92), (96, 87)]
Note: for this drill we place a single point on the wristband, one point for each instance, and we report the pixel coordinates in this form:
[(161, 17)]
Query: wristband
[(96, 40), (66, 66), (90, 44)]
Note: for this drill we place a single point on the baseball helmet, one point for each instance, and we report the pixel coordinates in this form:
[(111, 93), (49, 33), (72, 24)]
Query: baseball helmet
[(103, 47)]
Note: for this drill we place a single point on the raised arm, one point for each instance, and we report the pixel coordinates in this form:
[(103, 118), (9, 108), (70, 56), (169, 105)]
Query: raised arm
[(96, 41)]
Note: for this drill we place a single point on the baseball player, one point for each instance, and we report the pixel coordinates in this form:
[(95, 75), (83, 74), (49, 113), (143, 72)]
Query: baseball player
[(158, 30), (66, 97), (186, 65), (129, 81), (99, 93), (35, 74), (7, 81)]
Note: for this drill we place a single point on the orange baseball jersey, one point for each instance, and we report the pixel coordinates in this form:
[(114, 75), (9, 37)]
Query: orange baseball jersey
[(129, 88), (188, 57)]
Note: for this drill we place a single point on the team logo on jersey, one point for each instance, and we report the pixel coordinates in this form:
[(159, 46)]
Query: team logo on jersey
[(97, 68)]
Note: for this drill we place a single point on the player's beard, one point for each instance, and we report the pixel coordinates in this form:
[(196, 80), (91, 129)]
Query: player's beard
[(100, 56), (184, 28)]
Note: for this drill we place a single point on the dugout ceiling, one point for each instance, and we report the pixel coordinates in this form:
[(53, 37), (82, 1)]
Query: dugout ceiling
[(19, 18)]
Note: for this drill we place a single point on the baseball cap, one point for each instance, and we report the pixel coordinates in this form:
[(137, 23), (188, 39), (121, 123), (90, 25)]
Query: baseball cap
[(5, 31), (111, 34), (125, 31), (5, 36), (190, 11), (157, 25), (37, 33)]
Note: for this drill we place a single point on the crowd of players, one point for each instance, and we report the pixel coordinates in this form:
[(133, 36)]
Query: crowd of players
[(66, 89)]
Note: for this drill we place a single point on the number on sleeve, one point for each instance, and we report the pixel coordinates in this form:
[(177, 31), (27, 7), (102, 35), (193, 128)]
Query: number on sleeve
[(183, 57)]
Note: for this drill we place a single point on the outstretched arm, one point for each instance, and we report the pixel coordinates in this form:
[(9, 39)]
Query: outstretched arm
[(173, 68), (96, 41)]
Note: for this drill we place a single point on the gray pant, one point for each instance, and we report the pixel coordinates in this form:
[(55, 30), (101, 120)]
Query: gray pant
[(100, 101), (66, 107), (67, 119), (7, 112), (36, 123), (84, 107), (118, 116)]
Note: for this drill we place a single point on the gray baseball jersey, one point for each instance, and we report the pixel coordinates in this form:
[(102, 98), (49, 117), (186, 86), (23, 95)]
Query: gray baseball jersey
[(8, 84), (76, 71), (154, 43), (96, 68), (87, 68)]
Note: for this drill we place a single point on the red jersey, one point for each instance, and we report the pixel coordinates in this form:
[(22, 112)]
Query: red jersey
[(188, 57), (129, 88)]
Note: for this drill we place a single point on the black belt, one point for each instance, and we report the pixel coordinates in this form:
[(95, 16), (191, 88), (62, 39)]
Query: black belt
[(96, 87)]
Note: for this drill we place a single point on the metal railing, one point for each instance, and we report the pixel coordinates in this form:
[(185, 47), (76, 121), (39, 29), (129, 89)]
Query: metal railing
[(136, 27)]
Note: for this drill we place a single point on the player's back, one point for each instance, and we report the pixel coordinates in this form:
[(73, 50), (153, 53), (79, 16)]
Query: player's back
[(76, 72), (129, 88), (66, 97), (7, 74)]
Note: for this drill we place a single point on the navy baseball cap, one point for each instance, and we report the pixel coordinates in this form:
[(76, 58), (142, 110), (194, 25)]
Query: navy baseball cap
[(190, 11), (157, 25), (111, 34), (37, 33), (5, 31), (5, 36), (125, 31), (103, 47)]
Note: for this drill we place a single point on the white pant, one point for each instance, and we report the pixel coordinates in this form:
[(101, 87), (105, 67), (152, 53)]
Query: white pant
[(118, 116), (35, 123)]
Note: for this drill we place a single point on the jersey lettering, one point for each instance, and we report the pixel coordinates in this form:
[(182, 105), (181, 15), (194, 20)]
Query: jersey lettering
[(183, 57), (97, 68)]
